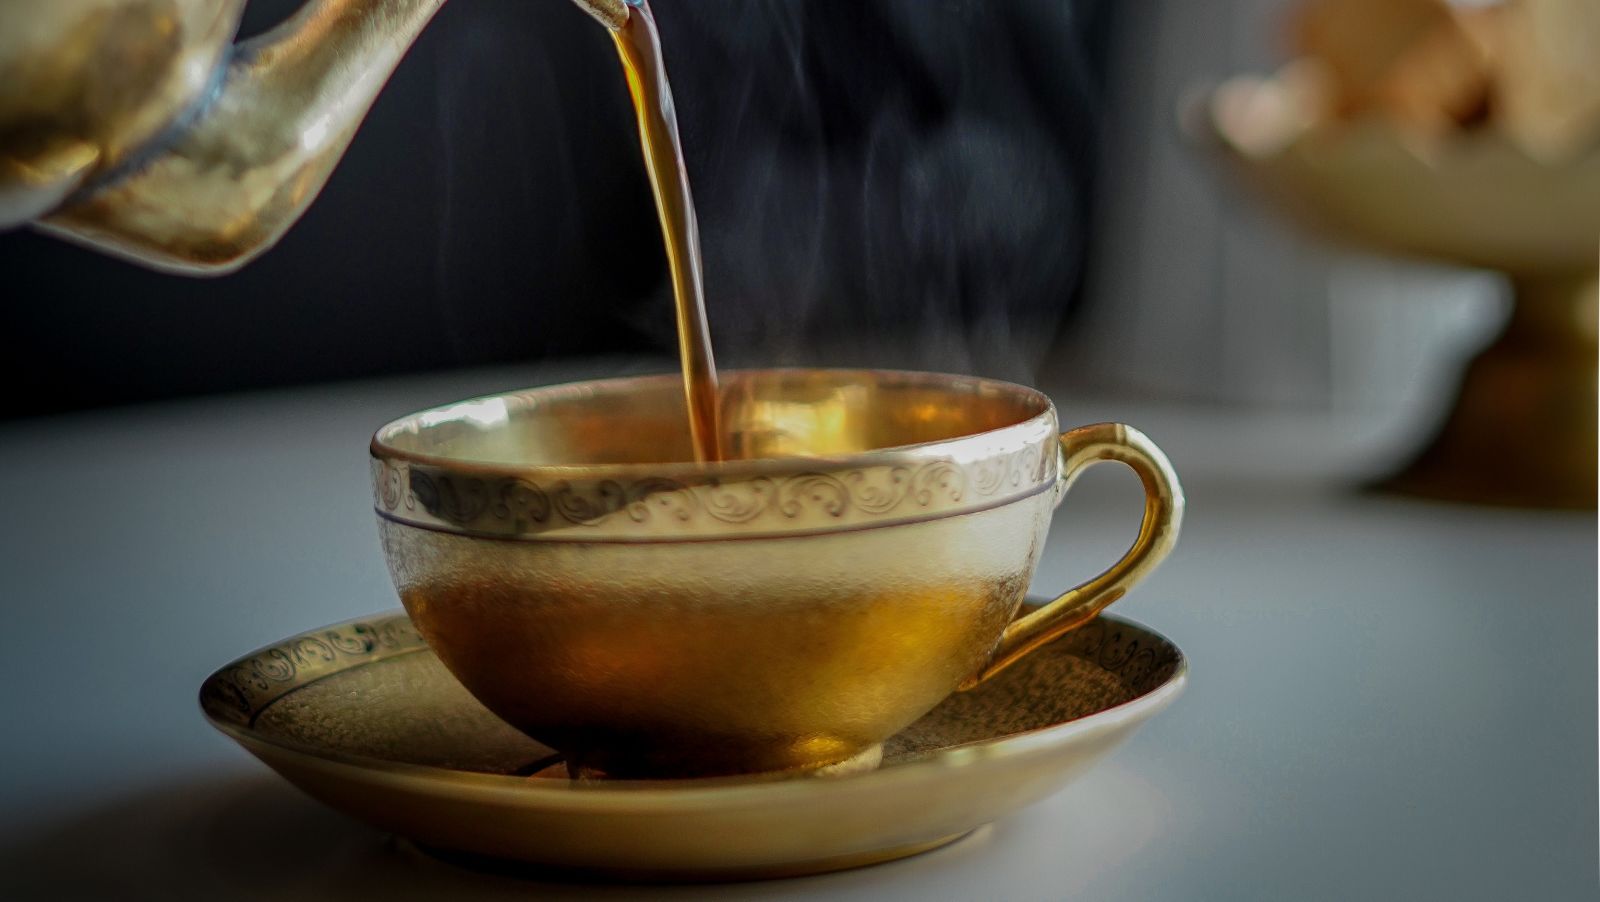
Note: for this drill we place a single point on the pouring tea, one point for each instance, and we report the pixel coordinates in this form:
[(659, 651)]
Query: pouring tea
[(815, 562), (659, 577)]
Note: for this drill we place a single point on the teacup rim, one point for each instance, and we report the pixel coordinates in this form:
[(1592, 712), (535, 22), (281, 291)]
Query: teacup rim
[(381, 450)]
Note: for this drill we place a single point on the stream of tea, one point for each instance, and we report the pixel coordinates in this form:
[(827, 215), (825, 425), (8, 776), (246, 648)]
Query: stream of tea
[(639, 46)]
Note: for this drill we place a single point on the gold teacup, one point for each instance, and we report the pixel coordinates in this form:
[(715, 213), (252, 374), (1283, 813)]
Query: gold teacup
[(861, 557)]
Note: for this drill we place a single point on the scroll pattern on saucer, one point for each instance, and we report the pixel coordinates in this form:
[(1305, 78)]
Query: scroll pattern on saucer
[(1097, 667), (242, 690), (518, 506)]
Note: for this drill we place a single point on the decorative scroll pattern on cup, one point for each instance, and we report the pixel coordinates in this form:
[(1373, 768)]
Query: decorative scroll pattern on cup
[(664, 507)]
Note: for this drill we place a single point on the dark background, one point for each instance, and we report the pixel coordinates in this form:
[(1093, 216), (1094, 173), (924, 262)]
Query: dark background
[(878, 182)]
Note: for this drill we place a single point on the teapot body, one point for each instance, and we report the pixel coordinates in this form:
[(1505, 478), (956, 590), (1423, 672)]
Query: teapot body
[(138, 128)]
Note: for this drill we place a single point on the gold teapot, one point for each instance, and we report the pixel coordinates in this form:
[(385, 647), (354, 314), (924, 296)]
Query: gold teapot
[(139, 128)]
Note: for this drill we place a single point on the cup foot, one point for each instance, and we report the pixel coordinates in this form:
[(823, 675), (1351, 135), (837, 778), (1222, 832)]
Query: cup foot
[(865, 760)]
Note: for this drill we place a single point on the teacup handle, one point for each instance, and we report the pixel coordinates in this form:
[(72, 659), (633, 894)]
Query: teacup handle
[(1163, 513)]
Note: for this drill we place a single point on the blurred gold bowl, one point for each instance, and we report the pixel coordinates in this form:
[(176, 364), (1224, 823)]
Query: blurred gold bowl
[(1475, 198)]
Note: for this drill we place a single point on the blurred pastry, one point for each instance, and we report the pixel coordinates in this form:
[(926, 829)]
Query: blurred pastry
[(1526, 67)]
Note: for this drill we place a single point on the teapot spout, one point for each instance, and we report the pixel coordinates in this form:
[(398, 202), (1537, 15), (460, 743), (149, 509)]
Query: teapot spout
[(226, 185)]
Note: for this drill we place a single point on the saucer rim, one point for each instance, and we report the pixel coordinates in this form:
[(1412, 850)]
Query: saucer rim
[(713, 792)]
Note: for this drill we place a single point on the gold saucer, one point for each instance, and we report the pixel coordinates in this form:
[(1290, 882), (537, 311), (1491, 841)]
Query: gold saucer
[(363, 717)]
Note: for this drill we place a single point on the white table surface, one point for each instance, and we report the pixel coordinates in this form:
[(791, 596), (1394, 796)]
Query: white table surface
[(1389, 698)]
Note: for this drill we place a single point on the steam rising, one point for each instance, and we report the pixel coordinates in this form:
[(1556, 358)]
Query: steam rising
[(878, 183)]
